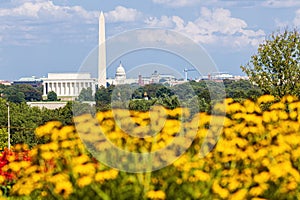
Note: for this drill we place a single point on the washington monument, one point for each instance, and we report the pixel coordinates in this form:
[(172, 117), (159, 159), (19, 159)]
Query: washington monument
[(101, 53)]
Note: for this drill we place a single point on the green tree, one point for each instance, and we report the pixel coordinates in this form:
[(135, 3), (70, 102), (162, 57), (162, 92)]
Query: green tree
[(3, 138), (86, 94), (170, 102), (12, 94), (151, 89), (103, 97), (241, 89), (31, 93), (161, 92), (275, 67), (52, 96), (141, 104)]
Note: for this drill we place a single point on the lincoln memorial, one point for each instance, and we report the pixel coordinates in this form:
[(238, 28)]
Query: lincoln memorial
[(68, 86)]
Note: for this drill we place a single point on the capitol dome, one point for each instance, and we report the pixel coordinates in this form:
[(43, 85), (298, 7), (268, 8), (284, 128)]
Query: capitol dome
[(120, 75), (120, 70)]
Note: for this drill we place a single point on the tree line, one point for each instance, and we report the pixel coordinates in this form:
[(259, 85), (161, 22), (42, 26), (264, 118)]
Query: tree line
[(274, 69)]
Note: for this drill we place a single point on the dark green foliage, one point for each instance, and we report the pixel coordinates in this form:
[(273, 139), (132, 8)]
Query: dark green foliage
[(103, 97), (86, 94), (198, 96), (13, 95), (241, 89), (24, 120), (31, 93), (164, 91), (141, 104), (21, 93), (52, 96), (275, 67)]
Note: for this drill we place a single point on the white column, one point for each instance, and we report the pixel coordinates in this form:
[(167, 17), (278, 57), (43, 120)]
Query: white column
[(71, 89), (74, 88), (58, 88), (65, 88), (93, 85), (44, 88), (61, 88), (54, 87), (68, 88), (78, 88)]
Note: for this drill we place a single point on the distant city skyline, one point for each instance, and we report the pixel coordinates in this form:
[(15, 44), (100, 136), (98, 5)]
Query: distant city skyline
[(40, 36)]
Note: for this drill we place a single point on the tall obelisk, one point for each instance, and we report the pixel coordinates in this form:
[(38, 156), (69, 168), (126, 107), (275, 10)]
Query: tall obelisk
[(101, 53)]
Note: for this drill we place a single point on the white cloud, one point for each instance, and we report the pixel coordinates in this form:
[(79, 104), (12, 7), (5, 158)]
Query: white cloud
[(164, 21), (215, 26), (123, 14), (229, 3), (291, 23), (47, 10), (296, 21), (40, 21), (281, 24), (178, 3), (281, 3)]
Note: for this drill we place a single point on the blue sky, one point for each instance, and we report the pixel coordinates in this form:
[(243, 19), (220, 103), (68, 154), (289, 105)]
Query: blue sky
[(40, 36)]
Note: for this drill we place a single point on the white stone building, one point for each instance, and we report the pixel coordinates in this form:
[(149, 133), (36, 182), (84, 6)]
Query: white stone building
[(120, 76), (68, 86)]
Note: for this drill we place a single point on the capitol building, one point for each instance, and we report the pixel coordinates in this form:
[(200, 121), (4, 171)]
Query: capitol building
[(68, 86)]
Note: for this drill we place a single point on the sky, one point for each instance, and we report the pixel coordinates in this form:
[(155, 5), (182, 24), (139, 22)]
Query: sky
[(39, 36)]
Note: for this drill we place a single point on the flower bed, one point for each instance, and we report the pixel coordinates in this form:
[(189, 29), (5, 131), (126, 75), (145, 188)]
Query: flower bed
[(256, 156)]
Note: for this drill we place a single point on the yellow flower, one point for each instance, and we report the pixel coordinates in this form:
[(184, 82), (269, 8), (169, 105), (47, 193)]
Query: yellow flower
[(47, 155), (106, 175), (292, 185), (266, 99), (61, 177), (202, 176), (64, 188), (36, 177), (26, 190), (222, 192), (80, 159), (88, 168), (262, 177), (11, 158), (235, 107), (256, 191), (289, 99), (249, 105), (31, 169), (14, 166), (293, 115), (44, 193), (156, 194), (239, 195), (279, 106), (47, 128), (84, 181), (2, 179), (233, 184)]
